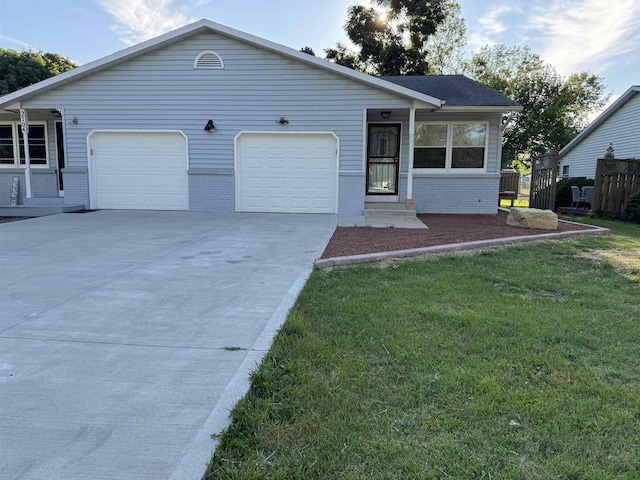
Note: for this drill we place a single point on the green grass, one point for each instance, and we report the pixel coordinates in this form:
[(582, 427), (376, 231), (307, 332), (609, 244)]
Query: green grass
[(515, 363)]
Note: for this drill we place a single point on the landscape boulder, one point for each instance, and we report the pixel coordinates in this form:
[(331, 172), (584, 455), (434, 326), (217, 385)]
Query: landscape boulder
[(532, 218)]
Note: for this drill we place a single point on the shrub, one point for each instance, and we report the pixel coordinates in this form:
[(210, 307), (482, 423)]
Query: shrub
[(632, 208), (563, 189)]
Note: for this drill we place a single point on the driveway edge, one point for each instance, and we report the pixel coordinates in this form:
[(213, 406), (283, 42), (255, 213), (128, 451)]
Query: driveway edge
[(199, 453), (451, 247)]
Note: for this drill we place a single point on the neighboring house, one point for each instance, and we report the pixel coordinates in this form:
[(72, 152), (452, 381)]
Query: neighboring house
[(289, 133), (618, 125)]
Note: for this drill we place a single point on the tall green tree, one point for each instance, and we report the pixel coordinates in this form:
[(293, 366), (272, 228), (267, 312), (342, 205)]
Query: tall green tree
[(391, 36), (445, 49), (21, 69), (555, 108)]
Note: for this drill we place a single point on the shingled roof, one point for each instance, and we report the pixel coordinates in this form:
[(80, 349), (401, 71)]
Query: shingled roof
[(456, 90)]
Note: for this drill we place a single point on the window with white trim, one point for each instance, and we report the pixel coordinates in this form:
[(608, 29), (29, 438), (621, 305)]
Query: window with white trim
[(451, 146), (7, 152), (12, 145), (565, 171), (208, 59)]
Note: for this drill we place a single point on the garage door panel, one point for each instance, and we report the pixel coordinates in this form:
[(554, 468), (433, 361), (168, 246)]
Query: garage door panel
[(296, 173), (140, 170)]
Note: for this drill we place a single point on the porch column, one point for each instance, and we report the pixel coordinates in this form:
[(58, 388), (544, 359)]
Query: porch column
[(24, 126), (412, 135)]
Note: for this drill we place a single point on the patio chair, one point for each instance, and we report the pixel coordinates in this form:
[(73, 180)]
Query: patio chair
[(587, 195), (576, 196)]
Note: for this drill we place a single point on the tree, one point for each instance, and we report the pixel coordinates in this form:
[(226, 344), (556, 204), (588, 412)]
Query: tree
[(308, 50), (555, 108), (342, 56), (391, 35), (21, 69), (445, 49)]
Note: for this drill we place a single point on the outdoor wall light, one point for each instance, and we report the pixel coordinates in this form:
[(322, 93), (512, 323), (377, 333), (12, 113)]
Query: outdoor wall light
[(283, 121), (56, 113), (210, 127), (385, 114), (74, 121)]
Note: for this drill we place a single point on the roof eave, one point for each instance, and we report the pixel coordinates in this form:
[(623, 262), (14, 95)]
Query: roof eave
[(192, 29), (482, 108), (599, 120)]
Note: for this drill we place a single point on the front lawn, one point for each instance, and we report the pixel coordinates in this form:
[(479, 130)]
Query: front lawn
[(514, 363)]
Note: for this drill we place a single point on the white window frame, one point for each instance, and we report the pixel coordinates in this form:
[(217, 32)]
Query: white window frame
[(449, 149), (16, 145), (565, 174)]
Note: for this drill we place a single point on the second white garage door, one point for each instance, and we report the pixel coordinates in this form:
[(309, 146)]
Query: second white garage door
[(286, 173), (139, 170)]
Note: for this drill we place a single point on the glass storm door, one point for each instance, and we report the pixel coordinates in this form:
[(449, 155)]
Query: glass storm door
[(383, 159)]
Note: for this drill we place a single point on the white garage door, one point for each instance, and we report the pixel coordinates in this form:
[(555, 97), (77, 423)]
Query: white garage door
[(287, 173), (139, 170)]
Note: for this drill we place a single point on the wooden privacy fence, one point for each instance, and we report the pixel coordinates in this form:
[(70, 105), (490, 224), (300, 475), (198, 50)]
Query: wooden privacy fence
[(544, 170), (616, 181)]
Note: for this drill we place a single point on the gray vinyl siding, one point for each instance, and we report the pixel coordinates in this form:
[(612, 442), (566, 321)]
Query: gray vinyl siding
[(161, 90), (622, 129)]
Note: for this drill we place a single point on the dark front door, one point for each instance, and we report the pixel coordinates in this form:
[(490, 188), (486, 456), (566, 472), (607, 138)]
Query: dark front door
[(60, 152), (383, 159)]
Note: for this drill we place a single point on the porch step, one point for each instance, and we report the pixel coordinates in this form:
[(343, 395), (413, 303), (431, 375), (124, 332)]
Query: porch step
[(37, 211), (389, 209), (43, 202)]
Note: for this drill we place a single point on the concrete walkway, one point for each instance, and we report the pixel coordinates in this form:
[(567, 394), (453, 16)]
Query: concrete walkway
[(119, 334)]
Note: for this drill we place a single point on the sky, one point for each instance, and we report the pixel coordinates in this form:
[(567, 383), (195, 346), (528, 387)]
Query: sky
[(599, 36)]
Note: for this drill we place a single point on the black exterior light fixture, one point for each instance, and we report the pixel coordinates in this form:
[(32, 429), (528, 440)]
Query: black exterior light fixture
[(56, 113), (210, 127), (385, 114), (283, 121)]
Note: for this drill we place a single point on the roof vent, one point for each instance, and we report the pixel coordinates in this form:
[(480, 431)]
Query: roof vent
[(208, 59)]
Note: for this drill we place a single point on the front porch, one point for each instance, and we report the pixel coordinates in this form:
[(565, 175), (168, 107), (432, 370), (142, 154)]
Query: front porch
[(32, 165), (426, 160)]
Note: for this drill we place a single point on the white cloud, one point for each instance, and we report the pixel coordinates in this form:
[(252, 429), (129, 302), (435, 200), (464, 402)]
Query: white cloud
[(585, 34), (138, 20), (16, 41), (491, 25)]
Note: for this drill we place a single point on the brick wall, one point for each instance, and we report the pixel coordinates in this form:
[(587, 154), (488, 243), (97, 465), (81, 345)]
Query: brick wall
[(455, 193), (76, 186), (44, 184), (351, 191), (212, 190)]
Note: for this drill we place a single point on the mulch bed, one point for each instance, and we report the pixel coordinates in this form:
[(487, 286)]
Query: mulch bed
[(12, 219), (443, 230)]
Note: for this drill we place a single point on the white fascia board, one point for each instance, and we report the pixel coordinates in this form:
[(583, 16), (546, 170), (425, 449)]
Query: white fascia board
[(192, 29), (599, 119), (481, 109)]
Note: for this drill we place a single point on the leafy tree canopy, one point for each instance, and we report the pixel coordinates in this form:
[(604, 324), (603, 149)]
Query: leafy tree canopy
[(445, 49), (21, 69), (555, 108), (391, 36), (308, 50)]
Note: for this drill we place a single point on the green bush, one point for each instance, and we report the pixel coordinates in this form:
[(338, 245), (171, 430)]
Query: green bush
[(632, 208), (563, 189)]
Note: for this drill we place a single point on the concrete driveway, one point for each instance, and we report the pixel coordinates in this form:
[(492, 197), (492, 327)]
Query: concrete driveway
[(126, 336)]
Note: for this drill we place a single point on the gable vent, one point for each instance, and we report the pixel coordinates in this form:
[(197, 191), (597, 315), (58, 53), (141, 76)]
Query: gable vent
[(208, 59)]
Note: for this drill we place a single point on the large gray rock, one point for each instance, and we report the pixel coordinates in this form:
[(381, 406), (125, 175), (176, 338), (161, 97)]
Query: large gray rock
[(533, 218)]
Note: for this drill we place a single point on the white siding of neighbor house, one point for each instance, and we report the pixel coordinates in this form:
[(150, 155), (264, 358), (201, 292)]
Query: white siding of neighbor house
[(162, 90), (622, 129)]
